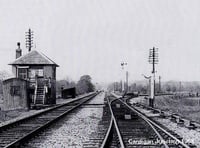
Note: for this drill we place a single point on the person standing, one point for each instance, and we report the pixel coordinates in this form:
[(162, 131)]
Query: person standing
[(49, 87)]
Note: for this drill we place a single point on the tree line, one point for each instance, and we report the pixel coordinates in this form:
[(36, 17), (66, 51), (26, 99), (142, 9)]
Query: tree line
[(84, 85), (165, 87)]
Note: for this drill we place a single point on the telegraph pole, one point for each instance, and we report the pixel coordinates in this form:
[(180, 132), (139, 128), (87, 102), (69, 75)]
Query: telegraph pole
[(153, 59), (122, 65), (29, 39)]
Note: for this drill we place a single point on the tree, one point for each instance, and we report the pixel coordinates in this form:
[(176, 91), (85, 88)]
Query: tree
[(65, 83), (85, 85)]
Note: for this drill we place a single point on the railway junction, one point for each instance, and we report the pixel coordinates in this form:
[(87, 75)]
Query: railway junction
[(99, 74), (98, 119)]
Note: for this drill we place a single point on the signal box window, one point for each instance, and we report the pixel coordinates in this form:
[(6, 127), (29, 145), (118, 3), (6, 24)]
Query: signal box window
[(22, 73)]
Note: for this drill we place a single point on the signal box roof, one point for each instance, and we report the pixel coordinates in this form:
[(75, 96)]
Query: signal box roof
[(34, 58)]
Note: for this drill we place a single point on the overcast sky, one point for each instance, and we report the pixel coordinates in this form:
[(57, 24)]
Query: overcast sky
[(94, 36)]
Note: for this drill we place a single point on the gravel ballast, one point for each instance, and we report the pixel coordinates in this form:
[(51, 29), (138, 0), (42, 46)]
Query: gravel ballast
[(188, 135), (73, 130)]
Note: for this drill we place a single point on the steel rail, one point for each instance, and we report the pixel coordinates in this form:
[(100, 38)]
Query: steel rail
[(109, 131), (32, 133), (45, 111), (151, 122), (115, 123), (154, 124), (108, 134), (106, 139), (144, 118)]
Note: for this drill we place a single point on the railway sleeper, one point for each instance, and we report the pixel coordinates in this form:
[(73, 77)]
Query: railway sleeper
[(59, 111), (42, 120), (33, 125), (18, 130), (64, 108), (8, 138), (48, 117), (90, 146), (54, 112)]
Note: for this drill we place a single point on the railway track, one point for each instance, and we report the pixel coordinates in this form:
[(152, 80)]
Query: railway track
[(17, 133), (97, 138), (172, 139), (107, 134), (133, 129), (121, 126)]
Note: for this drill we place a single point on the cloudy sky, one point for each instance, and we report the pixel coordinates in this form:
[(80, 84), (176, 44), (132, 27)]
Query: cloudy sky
[(94, 36)]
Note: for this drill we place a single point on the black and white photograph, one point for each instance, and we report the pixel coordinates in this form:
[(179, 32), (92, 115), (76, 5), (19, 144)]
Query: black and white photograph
[(99, 74)]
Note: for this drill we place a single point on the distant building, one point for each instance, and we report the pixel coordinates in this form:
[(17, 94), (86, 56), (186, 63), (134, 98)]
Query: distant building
[(40, 73)]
